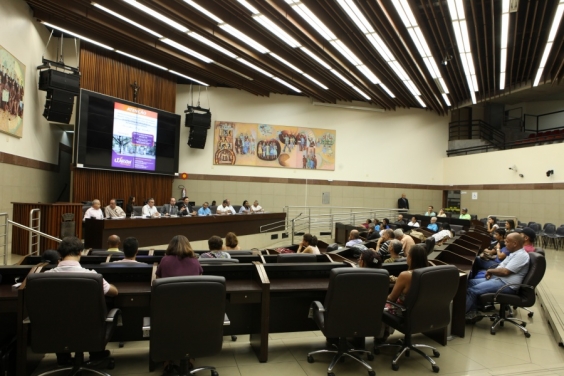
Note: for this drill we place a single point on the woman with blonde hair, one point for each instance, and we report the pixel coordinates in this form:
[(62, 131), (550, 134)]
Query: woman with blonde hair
[(179, 260), (231, 242)]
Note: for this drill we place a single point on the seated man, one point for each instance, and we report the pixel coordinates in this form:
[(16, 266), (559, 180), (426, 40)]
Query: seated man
[(406, 241), (433, 225), (186, 209), (204, 210), (511, 270), (400, 220), (169, 209), (114, 211), (464, 214), (529, 236), (395, 249), (256, 208), (113, 243), (215, 244), (94, 211), (372, 233), (150, 210), (413, 222), (353, 238), (384, 243), (130, 247), (70, 249), (225, 208)]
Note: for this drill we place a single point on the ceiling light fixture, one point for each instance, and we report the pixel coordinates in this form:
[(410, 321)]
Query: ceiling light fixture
[(408, 18), (77, 35), (504, 36), (553, 29), (141, 60), (186, 50), (189, 78), (130, 21), (286, 62), (315, 81), (244, 38), (213, 45), (456, 8), (276, 30), (315, 57), (161, 17), (249, 6), (251, 65), (287, 84), (204, 11)]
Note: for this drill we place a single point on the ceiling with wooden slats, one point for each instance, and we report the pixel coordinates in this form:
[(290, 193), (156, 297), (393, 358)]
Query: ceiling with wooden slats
[(391, 76)]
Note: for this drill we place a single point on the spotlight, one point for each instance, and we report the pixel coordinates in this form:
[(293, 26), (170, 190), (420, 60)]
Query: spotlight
[(521, 175), (549, 172), (513, 168)]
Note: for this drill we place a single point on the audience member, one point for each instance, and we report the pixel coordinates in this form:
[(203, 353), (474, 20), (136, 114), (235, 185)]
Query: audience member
[(114, 211), (442, 213), (509, 226), (491, 224), (215, 244), (113, 243), (384, 225), (186, 209), (433, 225), (372, 234), (403, 202), (130, 247), (150, 210), (353, 238), (443, 235), (395, 249), (204, 210), (464, 214), (383, 243), (245, 208), (231, 242), (369, 259), (256, 208), (213, 203), (377, 225), (367, 223), (406, 241), (129, 210), (170, 208), (512, 270), (413, 222), (94, 211), (493, 256), (430, 212), (179, 260), (529, 236), (51, 256), (225, 208), (70, 250), (309, 245), (400, 220)]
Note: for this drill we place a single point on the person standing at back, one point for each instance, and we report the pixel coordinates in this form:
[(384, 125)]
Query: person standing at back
[(179, 259), (403, 202)]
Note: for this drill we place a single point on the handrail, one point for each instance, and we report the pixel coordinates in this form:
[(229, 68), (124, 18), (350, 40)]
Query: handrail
[(34, 231), (476, 129), (37, 226), (5, 236)]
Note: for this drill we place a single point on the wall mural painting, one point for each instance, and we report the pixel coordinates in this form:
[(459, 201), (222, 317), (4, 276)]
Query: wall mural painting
[(265, 145), (12, 83)]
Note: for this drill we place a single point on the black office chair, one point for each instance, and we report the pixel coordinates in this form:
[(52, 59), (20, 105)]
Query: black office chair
[(353, 308), (524, 298), (296, 257), (426, 308), (217, 261), (67, 313), (115, 264), (201, 297), (430, 244)]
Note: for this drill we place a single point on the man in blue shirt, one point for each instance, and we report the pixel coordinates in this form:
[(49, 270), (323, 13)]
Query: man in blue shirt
[(204, 210), (512, 270), (433, 225)]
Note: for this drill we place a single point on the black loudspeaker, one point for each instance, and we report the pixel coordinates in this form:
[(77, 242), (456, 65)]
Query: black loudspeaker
[(194, 119), (197, 137), (51, 79), (58, 106)]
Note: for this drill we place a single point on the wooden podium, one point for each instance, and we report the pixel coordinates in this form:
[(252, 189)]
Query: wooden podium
[(51, 218)]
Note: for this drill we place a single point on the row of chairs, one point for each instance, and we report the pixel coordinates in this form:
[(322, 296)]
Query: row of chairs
[(549, 232)]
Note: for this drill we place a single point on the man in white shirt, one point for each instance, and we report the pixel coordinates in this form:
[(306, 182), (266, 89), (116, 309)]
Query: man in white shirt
[(150, 210), (256, 208), (130, 247), (225, 208), (114, 211), (353, 238), (94, 211)]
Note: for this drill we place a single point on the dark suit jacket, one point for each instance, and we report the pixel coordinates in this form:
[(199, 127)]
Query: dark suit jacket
[(403, 203)]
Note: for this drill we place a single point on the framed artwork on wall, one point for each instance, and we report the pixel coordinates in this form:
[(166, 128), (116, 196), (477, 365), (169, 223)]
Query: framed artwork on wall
[(12, 83)]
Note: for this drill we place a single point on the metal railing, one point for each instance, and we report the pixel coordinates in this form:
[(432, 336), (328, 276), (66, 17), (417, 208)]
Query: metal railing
[(322, 219), (34, 223), (476, 129)]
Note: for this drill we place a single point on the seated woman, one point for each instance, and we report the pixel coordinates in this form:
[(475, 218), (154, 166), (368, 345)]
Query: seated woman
[(179, 260), (433, 225), (442, 213), (509, 226), (384, 225), (376, 225), (366, 224), (231, 242), (413, 222), (369, 259), (491, 224), (416, 259), (491, 257), (309, 245)]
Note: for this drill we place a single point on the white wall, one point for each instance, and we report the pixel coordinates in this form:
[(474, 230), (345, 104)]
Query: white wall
[(493, 168), (403, 146)]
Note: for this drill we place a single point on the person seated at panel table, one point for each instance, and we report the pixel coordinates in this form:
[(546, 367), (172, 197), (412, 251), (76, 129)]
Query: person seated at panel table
[(186, 209), (430, 212), (433, 225), (256, 208), (113, 243), (114, 211), (225, 208), (94, 211), (204, 210), (150, 210), (130, 247), (70, 250), (442, 213), (170, 208), (129, 211), (231, 242), (245, 208), (413, 222), (464, 214), (215, 245), (308, 245), (179, 260)]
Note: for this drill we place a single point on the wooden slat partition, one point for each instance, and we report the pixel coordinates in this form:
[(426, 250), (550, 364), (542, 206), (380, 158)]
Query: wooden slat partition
[(50, 223), (112, 74), (105, 185)]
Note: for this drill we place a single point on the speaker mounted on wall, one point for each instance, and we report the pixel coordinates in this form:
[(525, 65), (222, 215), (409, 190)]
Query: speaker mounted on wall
[(61, 87), (199, 121)]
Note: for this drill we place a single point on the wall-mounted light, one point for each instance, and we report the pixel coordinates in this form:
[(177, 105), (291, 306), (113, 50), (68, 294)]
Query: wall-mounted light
[(521, 175), (549, 172)]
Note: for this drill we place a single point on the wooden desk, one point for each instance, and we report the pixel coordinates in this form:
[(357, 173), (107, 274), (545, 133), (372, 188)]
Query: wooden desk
[(157, 231)]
